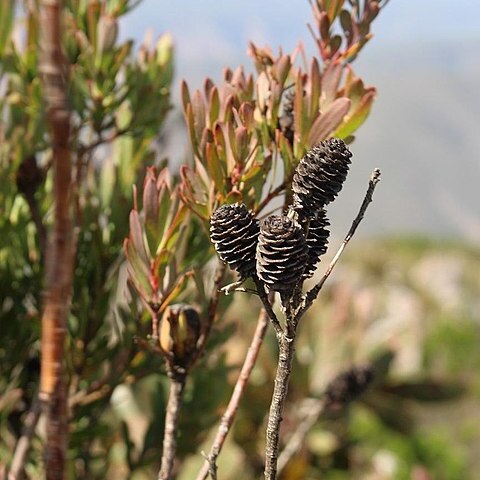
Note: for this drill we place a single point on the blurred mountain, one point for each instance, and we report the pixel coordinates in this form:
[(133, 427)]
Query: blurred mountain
[(423, 134), (422, 131)]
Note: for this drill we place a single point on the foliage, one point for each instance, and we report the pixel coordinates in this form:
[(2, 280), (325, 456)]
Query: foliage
[(246, 134)]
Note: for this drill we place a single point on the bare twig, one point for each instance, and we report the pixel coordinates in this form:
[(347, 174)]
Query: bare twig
[(312, 294), (60, 253), (232, 408), (177, 385), (286, 340), (266, 301), (102, 140), (22, 447), (286, 344), (271, 195), (295, 442)]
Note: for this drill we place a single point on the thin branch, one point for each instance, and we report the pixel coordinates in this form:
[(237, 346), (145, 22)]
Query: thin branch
[(22, 447), (267, 305), (285, 359), (232, 408), (271, 195), (286, 342), (297, 439), (177, 385), (313, 293), (53, 71), (101, 140)]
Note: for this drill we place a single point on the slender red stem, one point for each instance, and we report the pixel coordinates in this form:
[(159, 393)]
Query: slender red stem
[(60, 252), (234, 403)]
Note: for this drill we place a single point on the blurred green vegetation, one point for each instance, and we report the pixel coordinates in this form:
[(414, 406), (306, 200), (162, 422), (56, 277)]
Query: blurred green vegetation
[(408, 305)]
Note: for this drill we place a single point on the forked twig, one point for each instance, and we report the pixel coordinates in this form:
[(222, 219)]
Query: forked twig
[(286, 341), (313, 293), (267, 305)]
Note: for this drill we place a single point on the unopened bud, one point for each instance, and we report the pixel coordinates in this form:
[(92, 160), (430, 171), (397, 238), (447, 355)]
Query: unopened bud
[(180, 329)]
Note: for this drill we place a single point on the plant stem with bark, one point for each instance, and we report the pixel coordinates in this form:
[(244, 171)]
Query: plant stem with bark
[(286, 344), (294, 309), (295, 442), (177, 384), (59, 255)]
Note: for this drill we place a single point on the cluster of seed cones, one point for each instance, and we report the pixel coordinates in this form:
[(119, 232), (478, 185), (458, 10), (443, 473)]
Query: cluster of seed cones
[(284, 250)]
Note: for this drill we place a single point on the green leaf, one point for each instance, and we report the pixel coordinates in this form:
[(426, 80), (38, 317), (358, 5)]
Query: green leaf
[(7, 8), (191, 130), (214, 167), (286, 153), (333, 7), (185, 94), (315, 87), (213, 106), (355, 119), (300, 116)]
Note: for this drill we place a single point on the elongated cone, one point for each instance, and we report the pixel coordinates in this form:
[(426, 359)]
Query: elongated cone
[(234, 232), (281, 253), (348, 386), (319, 176)]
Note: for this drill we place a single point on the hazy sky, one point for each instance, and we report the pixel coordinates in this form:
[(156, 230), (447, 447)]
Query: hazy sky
[(209, 33)]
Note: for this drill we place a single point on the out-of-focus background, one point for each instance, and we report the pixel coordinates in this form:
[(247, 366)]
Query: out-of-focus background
[(410, 283), (404, 299), (423, 129)]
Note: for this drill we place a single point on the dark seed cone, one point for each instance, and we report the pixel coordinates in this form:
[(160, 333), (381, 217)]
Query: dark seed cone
[(348, 386), (281, 253), (319, 176), (234, 233), (317, 242)]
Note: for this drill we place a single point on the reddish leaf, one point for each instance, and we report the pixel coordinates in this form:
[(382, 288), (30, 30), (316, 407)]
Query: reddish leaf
[(198, 109), (185, 94), (328, 121), (137, 236), (281, 69), (138, 271), (330, 81)]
